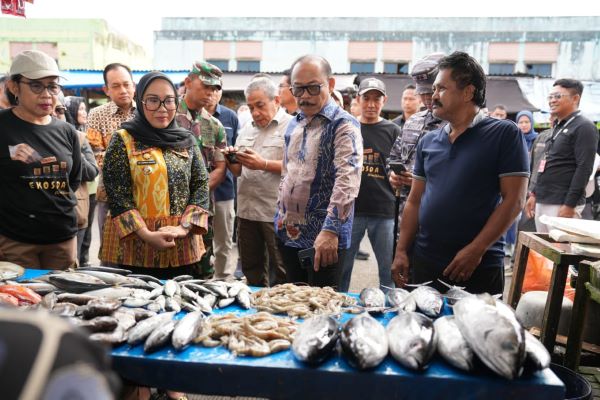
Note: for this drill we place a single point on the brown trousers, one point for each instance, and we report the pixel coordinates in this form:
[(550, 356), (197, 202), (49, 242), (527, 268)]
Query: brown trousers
[(39, 256), (256, 242)]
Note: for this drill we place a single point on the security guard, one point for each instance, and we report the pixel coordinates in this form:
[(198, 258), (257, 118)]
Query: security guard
[(403, 151)]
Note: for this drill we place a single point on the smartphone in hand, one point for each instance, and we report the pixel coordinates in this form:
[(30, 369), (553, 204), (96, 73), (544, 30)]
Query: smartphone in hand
[(307, 258), (397, 167)]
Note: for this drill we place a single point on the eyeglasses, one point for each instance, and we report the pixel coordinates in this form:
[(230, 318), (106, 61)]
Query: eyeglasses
[(60, 110), (38, 87), (557, 96), (154, 103), (313, 90)]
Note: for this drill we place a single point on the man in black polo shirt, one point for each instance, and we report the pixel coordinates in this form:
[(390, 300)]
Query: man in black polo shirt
[(469, 184), (564, 171)]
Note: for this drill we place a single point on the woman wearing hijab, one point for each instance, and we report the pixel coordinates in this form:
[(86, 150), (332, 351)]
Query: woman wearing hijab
[(525, 123), (157, 188), (40, 160), (76, 112)]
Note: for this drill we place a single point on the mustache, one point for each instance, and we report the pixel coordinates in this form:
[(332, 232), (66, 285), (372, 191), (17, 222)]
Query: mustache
[(305, 103), (436, 103)]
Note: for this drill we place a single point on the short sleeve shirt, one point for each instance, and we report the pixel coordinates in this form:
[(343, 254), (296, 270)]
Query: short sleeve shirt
[(462, 186)]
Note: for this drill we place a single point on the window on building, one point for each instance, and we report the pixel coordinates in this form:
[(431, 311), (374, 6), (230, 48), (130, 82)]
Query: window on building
[(501, 68), (248, 66), (539, 69), (395, 68), (362, 67), (222, 64)]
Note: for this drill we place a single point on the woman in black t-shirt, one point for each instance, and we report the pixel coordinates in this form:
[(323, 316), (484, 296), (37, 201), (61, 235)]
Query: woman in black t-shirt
[(40, 160)]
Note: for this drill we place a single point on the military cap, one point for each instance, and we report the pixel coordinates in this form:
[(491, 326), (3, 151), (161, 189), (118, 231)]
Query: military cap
[(424, 72), (371, 84), (209, 74)]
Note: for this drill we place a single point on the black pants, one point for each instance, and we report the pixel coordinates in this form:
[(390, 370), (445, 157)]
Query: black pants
[(326, 276), (484, 279)]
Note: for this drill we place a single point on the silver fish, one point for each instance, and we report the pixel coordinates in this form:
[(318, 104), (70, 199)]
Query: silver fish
[(101, 268), (188, 294), (372, 297), (225, 302), (118, 293), (41, 288), (100, 307), (243, 299), (144, 328), (364, 341), (315, 339), (454, 293), (172, 304), (170, 288), (75, 298), (493, 332), (411, 340), (400, 299), (49, 300), (116, 337), (138, 313), (187, 329), (135, 302), (126, 318), (429, 300), (159, 337), (210, 300), (537, 356), (217, 287), (98, 324), (451, 344), (76, 282), (65, 309)]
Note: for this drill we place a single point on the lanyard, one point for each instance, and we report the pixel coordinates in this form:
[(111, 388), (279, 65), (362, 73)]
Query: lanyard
[(557, 132)]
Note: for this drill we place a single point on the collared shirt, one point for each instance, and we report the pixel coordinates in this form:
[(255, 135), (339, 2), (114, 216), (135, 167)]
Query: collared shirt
[(209, 133), (257, 189), (322, 166), (462, 186), (102, 122), (229, 119)]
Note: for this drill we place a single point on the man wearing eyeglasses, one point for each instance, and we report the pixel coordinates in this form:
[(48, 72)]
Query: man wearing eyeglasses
[(568, 160), (288, 101), (321, 172), (106, 119), (201, 86)]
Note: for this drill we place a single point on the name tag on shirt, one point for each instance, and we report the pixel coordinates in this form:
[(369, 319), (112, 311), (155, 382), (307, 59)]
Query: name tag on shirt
[(542, 166)]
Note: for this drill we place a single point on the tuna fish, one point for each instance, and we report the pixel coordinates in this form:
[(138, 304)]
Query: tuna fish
[(372, 298), (315, 339), (537, 355), (429, 300), (400, 299), (451, 344), (144, 328), (364, 342), (411, 339), (493, 332)]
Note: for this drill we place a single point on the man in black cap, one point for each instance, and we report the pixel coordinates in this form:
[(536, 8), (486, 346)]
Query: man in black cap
[(418, 124), (374, 206)]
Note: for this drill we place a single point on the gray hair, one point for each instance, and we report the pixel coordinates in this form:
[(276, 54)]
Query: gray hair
[(265, 84)]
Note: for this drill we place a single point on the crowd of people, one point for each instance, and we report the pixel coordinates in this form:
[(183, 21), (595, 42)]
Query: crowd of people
[(436, 189)]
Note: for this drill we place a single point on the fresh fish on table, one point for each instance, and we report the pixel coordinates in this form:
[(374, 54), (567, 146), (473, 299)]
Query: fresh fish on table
[(225, 302), (75, 298), (134, 302), (315, 339), (187, 329), (451, 344), (538, 357), (400, 299), (159, 337), (372, 298), (454, 293), (429, 300), (138, 313), (100, 307), (181, 278), (172, 304), (65, 309), (97, 324), (411, 339), (493, 332), (146, 278), (8, 300), (49, 300), (21, 293), (112, 270), (217, 287), (364, 341), (243, 299), (116, 337), (170, 288), (41, 288), (119, 293), (76, 282), (144, 328)]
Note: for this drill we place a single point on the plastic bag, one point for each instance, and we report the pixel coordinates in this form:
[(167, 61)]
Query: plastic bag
[(539, 273)]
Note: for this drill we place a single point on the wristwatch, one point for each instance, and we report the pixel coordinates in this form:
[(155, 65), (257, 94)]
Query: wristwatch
[(186, 225)]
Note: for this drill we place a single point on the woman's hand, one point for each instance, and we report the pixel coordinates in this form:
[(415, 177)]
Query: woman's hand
[(177, 231), (158, 240)]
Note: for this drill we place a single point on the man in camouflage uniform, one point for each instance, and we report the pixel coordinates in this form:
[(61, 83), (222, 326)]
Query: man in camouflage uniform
[(201, 84), (403, 150)]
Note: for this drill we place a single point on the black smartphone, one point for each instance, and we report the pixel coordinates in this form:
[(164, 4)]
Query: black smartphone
[(307, 258), (397, 167)]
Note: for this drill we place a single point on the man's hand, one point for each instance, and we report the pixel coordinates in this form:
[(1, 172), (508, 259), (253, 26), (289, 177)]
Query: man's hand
[(566, 211), (400, 268), (24, 153), (464, 263), (326, 249), (404, 179), (530, 207), (251, 159)]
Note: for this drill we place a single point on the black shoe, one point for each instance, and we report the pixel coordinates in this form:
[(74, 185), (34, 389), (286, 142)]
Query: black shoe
[(362, 255)]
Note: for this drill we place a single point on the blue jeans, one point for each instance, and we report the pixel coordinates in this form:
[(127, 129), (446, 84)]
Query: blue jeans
[(381, 236)]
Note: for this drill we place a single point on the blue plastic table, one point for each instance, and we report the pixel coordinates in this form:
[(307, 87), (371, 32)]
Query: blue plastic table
[(280, 376)]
